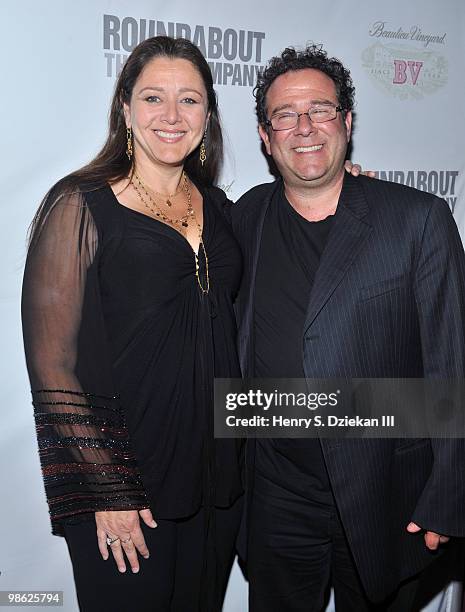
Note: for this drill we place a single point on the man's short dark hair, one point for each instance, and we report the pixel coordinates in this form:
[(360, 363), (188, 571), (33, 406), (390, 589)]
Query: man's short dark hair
[(313, 56)]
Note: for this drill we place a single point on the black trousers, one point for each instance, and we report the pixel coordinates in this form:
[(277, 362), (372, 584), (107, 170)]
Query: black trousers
[(297, 549), (187, 571)]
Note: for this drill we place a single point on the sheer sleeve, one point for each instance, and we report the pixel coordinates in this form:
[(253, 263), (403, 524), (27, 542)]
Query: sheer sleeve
[(84, 445)]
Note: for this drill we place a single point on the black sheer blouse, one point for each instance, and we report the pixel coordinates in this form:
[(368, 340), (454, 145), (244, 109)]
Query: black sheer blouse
[(122, 348)]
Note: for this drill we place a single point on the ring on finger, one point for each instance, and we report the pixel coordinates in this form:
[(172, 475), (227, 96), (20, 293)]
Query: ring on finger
[(126, 540), (111, 540)]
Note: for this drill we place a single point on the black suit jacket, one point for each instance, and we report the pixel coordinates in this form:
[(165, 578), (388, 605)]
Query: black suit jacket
[(388, 301)]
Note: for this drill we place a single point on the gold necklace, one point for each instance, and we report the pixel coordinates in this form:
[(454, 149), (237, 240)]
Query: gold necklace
[(205, 289), (167, 197), (158, 212), (184, 221)]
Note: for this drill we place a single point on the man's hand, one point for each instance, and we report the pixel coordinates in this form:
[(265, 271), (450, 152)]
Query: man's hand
[(356, 169), (122, 528), (432, 539)]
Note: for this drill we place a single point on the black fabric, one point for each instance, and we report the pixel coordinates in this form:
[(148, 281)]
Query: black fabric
[(297, 549), (290, 252), (168, 342), (388, 300), (111, 307), (84, 445), (170, 580)]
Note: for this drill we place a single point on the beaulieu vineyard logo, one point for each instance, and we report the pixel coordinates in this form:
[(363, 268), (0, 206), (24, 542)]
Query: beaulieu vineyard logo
[(405, 63)]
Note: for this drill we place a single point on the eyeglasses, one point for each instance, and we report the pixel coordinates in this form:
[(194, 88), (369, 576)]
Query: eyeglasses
[(317, 113)]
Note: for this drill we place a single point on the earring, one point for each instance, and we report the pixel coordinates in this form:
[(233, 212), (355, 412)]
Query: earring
[(129, 143), (203, 151)]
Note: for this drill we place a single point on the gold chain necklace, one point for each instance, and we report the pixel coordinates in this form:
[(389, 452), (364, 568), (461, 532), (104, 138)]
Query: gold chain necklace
[(167, 197), (177, 224), (158, 212)]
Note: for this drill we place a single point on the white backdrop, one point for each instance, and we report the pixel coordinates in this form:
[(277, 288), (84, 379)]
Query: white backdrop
[(59, 64)]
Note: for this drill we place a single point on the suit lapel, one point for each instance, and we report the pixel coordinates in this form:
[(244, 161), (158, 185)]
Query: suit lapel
[(347, 236)]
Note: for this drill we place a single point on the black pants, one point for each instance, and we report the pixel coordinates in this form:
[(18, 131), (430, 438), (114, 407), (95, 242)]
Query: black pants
[(172, 579), (296, 549)]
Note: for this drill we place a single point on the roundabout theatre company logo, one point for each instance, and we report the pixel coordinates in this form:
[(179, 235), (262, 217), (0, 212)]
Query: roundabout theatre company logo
[(234, 56), (405, 63)]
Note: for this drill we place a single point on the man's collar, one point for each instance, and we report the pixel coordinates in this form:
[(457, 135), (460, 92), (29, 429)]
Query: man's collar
[(353, 196)]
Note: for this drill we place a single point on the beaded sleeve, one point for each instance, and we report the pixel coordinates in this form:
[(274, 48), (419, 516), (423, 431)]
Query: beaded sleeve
[(84, 445)]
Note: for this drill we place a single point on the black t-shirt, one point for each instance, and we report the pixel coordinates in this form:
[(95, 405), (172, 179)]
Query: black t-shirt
[(290, 252)]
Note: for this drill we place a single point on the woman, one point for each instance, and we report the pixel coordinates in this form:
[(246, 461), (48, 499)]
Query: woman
[(127, 315)]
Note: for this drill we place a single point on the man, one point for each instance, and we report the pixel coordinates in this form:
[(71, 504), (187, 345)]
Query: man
[(344, 277)]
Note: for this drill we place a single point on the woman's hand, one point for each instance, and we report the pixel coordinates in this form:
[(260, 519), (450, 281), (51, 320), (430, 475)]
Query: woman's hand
[(356, 169), (122, 528)]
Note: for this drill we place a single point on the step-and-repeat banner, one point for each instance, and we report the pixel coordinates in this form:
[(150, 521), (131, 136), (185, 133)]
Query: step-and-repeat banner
[(60, 62)]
